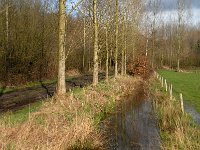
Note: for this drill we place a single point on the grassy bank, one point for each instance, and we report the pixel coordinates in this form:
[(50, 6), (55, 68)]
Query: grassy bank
[(186, 83), (70, 122), (177, 130)]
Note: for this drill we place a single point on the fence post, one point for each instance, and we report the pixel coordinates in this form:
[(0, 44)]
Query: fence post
[(182, 105), (162, 82), (165, 85), (171, 92)]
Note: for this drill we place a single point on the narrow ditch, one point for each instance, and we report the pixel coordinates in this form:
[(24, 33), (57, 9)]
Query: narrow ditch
[(192, 112), (133, 126)]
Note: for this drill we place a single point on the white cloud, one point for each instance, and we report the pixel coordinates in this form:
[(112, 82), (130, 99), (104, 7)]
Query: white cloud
[(196, 16), (171, 16)]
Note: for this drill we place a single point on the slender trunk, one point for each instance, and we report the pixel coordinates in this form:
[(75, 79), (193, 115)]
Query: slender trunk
[(125, 56), (61, 87), (147, 44), (133, 44), (154, 36), (95, 69), (7, 63), (179, 50), (84, 43), (7, 24), (111, 53), (180, 4), (107, 53), (123, 49), (89, 56), (178, 65), (171, 55), (162, 59), (116, 37)]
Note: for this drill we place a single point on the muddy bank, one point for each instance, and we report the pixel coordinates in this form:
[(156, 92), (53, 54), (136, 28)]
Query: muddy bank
[(21, 98), (133, 126), (192, 112)]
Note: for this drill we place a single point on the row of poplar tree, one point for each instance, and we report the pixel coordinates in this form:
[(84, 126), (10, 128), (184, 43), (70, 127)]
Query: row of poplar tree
[(90, 35)]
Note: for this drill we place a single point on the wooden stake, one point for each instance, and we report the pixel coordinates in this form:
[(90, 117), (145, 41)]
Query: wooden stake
[(165, 85), (171, 92), (162, 83), (182, 105), (29, 112)]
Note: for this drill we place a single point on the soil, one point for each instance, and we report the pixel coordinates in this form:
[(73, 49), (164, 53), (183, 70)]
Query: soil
[(20, 98)]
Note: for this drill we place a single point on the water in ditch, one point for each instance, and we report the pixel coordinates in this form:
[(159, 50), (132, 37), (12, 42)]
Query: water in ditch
[(134, 126), (192, 112)]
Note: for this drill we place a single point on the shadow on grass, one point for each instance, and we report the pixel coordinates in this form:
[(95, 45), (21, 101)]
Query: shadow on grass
[(46, 88)]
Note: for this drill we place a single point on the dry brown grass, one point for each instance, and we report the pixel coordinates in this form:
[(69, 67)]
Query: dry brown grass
[(68, 122)]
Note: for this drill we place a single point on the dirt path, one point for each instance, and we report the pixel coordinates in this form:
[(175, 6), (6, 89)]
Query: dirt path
[(20, 98)]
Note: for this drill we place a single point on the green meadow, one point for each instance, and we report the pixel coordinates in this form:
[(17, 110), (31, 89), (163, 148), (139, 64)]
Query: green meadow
[(186, 83)]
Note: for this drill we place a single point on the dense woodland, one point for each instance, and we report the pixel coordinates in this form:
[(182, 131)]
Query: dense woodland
[(125, 29)]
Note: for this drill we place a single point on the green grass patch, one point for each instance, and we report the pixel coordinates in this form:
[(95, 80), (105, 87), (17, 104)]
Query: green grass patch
[(186, 83), (6, 90), (20, 116)]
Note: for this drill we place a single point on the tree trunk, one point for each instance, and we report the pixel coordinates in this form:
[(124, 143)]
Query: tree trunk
[(179, 46), (7, 61), (125, 57), (61, 87), (123, 49), (147, 44), (95, 59), (116, 37), (133, 44), (84, 43), (7, 24), (107, 53)]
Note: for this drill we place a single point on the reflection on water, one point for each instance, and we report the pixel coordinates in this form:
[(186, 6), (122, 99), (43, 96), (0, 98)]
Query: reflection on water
[(193, 113), (134, 127)]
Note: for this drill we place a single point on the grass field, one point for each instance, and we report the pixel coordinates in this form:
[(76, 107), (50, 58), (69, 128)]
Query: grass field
[(186, 83)]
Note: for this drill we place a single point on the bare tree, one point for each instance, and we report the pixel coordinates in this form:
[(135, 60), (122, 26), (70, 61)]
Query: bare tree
[(95, 57), (7, 24), (180, 9), (61, 87), (155, 11), (116, 36), (107, 53)]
